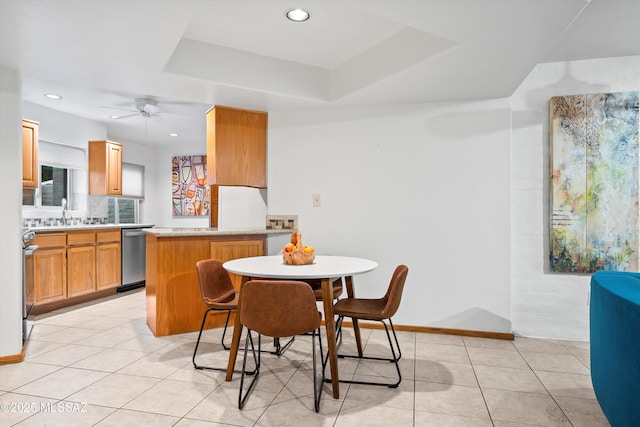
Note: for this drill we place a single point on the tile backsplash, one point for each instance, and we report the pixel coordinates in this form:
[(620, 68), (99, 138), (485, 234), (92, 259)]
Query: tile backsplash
[(96, 213), (48, 221), (282, 222)]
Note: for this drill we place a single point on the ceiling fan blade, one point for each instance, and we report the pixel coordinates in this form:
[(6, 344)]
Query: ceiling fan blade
[(125, 116), (117, 108)]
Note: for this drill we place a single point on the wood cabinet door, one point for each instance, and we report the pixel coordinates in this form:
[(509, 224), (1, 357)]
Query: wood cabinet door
[(105, 167), (236, 147), (50, 275), (108, 265), (81, 270), (114, 169), (226, 251), (29, 154)]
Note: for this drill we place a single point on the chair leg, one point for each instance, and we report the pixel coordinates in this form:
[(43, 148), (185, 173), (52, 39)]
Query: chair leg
[(394, 359), (280, 349), (193, 359), (195, 351), (317, 385), (242, 400), (224, 332)]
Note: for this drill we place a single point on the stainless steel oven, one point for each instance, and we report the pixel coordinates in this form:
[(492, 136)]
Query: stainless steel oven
[(28, 287)]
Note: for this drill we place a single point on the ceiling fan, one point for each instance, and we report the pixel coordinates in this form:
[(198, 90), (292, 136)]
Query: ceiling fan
[(143, 107)]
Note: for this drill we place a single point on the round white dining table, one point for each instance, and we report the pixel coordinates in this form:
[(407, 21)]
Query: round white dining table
[(325, 268)]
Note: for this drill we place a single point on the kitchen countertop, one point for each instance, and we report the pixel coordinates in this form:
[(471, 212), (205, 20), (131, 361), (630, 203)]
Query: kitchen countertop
[(182, 232), (78, 227)]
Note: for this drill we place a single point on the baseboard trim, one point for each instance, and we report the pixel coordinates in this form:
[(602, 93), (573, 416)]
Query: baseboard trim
[(432, 330), (12, 358), (56, 305)]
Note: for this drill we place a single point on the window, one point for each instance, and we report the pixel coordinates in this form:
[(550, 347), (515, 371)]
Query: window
[(124, 211), (128, 208), (62, 175), (28, 196), (53, 185)]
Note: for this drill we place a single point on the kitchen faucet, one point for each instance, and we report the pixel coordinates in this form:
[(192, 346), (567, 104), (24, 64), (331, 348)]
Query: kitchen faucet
[(65, 212)]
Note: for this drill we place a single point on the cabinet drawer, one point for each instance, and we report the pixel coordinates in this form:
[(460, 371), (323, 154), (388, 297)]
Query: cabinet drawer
[(81, 238), (50, 240), (108, 236)]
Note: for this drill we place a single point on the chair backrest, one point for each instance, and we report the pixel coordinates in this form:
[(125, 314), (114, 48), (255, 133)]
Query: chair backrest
[(278, 308), (394, 292), (214, 281)]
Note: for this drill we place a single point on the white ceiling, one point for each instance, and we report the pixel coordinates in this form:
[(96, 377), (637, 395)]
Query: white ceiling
[(189, 55)]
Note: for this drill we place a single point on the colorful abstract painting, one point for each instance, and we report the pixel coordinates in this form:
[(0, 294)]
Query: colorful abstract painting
[(594, 182), (191, 196)]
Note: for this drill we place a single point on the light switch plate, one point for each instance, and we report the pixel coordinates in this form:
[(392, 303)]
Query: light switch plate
[(316, 200)]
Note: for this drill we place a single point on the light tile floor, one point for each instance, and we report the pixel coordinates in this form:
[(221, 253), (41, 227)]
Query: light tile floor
[(100, 365)]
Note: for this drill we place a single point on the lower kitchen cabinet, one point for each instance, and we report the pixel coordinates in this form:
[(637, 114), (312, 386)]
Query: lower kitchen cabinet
[(108, 260), (75, 266), (81, 262), (81, 270), (50, 274)]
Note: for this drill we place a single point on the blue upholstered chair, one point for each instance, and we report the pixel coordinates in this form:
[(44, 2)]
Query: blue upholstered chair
[(615, 345)]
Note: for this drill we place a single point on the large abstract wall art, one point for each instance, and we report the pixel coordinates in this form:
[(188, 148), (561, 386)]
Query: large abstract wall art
[(594, 182), (191, 196)]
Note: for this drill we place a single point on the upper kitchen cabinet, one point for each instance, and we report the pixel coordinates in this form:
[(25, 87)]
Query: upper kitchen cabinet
[(29, 154), (105, 168), (236, 147)]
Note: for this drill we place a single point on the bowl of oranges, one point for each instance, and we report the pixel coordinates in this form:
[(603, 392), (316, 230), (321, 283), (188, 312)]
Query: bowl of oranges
[(295, 253)]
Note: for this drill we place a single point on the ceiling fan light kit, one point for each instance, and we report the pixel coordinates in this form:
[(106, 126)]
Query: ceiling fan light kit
[(146, 106)]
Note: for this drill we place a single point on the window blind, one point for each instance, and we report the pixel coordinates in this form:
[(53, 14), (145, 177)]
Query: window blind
[(132, 180), (61, 156)]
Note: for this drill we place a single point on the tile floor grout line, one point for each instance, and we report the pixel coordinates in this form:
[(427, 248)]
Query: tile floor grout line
[(475, 374), (544, 386)]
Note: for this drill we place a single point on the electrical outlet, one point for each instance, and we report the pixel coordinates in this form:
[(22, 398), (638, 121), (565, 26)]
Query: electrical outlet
[(316, 200)]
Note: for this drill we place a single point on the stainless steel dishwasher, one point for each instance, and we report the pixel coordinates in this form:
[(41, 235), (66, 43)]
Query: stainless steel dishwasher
[(133, 258)]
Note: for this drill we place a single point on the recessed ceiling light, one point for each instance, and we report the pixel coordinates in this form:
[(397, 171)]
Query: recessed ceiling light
[(297, 15), (114, 116), (52, 96), (173, 134)]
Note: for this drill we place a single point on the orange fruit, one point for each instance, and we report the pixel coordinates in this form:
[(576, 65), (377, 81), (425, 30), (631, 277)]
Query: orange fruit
[(290, 247), (308, 249)]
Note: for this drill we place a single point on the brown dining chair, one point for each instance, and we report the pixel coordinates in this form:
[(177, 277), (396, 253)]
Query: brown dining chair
[(316, 285), (377, 309), (279, 308), (218, 293)]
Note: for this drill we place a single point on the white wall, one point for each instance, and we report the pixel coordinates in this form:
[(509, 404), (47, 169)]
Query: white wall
[(550, 304), (10, 214), (423, 185), (63, 128)]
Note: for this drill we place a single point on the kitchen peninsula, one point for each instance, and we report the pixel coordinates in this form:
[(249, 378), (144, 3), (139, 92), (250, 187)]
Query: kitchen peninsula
[(173, 302)]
